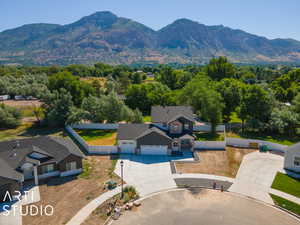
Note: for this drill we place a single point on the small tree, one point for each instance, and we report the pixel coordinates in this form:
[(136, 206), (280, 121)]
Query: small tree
[(9, 117)]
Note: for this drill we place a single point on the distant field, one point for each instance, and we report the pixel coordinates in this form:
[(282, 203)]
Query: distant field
[(23, 103)]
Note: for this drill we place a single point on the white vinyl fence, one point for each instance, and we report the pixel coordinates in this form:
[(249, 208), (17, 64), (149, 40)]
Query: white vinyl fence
[(102, 126), (99, 150)]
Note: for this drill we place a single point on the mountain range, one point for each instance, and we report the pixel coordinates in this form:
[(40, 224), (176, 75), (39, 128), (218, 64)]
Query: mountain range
[(108, 38)]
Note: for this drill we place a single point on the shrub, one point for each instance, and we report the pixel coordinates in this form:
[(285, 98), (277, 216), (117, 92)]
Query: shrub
[(130, 193), (9, 117)]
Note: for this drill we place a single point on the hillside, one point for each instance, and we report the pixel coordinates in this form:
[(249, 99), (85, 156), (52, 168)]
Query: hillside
[(106, 37)]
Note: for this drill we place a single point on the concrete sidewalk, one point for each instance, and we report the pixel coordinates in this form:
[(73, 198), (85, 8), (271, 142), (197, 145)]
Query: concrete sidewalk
[(285, 196), (84, 213)]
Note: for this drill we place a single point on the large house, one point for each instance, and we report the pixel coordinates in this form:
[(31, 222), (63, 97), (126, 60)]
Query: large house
[(292, 158), (170, 132), (36, 158)]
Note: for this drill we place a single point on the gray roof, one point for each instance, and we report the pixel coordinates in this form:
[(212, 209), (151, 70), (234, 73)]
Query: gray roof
[(131, 131), (7, 172), (154, 129), (165, 114), (14, 156)]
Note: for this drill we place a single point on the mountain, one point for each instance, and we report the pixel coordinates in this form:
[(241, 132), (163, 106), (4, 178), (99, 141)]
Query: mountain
[(106, 37)]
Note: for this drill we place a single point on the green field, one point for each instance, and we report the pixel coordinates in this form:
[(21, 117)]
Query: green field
[(286, 204), (287, 184), (90, 135)]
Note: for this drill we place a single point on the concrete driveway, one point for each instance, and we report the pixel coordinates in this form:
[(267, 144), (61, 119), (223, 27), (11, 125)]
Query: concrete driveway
[(148, 174), (202, 208), (256, 175)]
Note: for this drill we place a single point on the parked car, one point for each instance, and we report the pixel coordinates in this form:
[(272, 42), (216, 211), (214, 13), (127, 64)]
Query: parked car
[(4, 97), (19, 97), (30, 98)]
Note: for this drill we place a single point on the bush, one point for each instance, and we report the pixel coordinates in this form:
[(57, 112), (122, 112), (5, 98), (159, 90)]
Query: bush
[(130, 193), (9, 117)]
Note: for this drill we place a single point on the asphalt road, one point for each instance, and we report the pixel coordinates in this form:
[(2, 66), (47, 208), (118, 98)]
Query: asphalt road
[(203, 207)]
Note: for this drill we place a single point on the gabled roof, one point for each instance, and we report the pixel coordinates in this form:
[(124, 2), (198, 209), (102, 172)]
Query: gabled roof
[(294, 148), (131, 131), (15, 155), (165, 114), (156, 130)]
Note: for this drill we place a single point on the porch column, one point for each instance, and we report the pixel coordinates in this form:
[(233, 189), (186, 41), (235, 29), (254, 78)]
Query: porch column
[(36, 179)]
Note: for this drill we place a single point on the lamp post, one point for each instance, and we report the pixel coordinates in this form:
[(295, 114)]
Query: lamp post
[(122, 164)]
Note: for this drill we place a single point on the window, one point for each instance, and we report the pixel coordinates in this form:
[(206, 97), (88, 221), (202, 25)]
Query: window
[(71, 166), (48, 168), (186, 126), (297, 161), (175, 144)]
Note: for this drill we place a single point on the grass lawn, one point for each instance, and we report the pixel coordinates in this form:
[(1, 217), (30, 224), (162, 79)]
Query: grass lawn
[(222, 163), (286, 204), (68, 195), (147, 118), (209, 136), (98, 137), (274, 138), (284, 183), (27, 130)]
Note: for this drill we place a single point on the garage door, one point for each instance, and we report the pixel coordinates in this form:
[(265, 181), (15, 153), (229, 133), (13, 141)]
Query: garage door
[(154, 149), (127, 148)]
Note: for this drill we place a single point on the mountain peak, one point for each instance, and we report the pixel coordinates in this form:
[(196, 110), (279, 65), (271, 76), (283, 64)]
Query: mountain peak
[(103, 36)]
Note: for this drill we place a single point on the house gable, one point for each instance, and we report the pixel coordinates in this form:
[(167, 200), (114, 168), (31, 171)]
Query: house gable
[(154, 138)]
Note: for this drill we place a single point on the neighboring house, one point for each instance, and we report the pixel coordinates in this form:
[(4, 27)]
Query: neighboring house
[(36, 158), (171, 132), (292, 158)]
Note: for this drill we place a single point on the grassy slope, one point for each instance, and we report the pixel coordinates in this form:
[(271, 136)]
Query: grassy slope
[(287, 184), (27, 130), (286, 204)]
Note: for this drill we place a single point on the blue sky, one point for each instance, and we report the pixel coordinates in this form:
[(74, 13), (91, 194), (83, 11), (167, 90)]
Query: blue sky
[(270, 18)]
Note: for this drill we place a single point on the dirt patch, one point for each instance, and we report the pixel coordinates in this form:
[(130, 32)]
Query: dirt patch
[(222, 163), (68, 195), (23, 103)]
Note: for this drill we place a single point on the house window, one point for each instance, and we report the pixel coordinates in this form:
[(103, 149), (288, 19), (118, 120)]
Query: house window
[(186, 126), (175, 144), (48, 168), (297, 161), (71, 166)]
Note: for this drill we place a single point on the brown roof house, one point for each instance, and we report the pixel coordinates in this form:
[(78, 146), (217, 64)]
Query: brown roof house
[(171, 132), (36, 158)]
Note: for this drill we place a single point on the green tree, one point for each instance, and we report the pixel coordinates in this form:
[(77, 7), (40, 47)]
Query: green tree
[(201, 94), (231, 92), (10, 117), (78, 89), (257, 104), (57, 106), (143, 96), (283, 121), (220, 68)]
